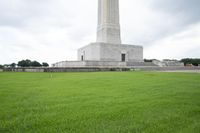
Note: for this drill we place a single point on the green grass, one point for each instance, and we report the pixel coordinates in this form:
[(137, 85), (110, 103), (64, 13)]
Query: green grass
[(104, 102)]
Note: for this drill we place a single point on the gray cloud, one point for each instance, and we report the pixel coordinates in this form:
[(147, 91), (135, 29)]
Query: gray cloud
[(190, 6), (54, 29), (188, 9), (168, 17)]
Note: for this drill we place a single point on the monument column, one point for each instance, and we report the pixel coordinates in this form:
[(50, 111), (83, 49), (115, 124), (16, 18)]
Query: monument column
[(108, 30)]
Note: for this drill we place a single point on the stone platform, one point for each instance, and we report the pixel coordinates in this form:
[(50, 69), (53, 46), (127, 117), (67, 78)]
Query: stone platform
[(102, 64), (97, 69)]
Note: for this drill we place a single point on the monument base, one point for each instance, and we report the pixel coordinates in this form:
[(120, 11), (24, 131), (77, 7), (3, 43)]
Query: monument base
[(111, 52), (107, 55), (102, 64)]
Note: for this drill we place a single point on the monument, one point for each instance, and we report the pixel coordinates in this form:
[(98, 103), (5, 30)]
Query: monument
[(108, 49), (108, 29)]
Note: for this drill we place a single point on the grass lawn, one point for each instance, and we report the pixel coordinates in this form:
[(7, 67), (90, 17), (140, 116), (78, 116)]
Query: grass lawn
[(101, 102)]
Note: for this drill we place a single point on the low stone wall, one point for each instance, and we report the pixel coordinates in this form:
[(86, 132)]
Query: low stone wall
[(69, 64), (96, 69), (105, 63), (168, 63), (101, 64), (23, 69), (85, 69), (174, 68), (66, 69), (141, 64)]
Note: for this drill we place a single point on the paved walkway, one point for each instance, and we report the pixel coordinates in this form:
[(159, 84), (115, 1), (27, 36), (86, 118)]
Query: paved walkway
[(183, 71)]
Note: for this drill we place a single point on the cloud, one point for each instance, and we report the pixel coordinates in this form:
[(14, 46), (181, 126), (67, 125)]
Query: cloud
[(49, 30), (181, 45), (151, 20), (44, 30)]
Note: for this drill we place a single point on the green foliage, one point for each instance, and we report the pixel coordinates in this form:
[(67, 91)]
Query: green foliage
[(45, 64), (1, 66), (29, 63), (35, 64), (24, 63), (194, 62), (148, 60), (6, 65), (13, 65), (102, 102), (170, 60)]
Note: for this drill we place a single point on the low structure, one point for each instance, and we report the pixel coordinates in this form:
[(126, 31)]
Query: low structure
[(102, 64), (168, 63)]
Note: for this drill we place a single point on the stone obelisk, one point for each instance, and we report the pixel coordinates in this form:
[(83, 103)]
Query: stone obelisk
[(108, 30), (107, 51)]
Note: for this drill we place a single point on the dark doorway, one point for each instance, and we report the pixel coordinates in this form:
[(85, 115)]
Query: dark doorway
[(82, 58), (123, 57)]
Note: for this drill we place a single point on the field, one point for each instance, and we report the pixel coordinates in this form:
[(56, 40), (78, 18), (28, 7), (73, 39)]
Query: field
[(100, 102)]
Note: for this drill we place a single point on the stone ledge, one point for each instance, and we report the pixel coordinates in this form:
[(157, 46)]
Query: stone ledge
[(99, 69)]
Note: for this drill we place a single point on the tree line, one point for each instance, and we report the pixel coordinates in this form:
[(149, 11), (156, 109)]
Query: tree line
[(194, 62), (25, 63), (29, 63)]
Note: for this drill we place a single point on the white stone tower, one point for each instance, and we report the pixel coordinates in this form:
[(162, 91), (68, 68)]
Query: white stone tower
[(108, 47), (108, 30)]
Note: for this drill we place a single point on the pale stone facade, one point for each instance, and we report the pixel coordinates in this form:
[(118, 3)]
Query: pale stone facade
[(168, 63), (108, 29), (111, 52)]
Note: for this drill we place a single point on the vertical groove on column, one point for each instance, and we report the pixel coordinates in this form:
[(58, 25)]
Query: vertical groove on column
[(108, 30)]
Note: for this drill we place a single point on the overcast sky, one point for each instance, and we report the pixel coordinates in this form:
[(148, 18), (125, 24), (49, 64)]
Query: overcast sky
[(53, 30)]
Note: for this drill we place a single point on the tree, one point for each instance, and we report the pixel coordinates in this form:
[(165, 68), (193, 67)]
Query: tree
[(148, 60), (29, 63), (24, 63), (44, 64), (194, 62), (35, 64), (13, 65), (1, 67), (6, 65)]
